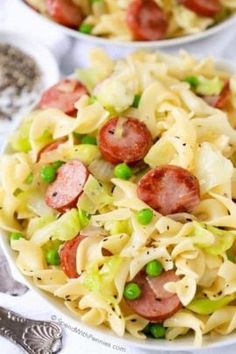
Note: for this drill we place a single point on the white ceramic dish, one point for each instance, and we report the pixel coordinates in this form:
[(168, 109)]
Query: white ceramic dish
[(181, 344), (46, 62), (98, 41)]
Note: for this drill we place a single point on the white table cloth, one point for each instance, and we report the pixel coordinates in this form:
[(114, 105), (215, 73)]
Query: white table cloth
[(14, 17)]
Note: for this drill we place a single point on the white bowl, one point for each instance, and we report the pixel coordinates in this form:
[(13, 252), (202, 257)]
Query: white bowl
[(44, 59), (104, 42), (184, 343)]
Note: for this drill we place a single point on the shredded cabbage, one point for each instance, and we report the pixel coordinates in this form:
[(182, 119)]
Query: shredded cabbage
[(118, 227), (65, 228), (37, 223), (214, 240), (90, 77), (100, 280), (207, 307), (97, 193), (86, 153), (209, 87), (20, 138)]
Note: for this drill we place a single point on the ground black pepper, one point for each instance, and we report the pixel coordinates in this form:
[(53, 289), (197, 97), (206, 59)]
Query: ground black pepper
[(20, 81)]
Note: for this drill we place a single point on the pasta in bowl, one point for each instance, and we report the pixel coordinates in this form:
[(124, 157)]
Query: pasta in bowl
[(162, 22), (118, 197)]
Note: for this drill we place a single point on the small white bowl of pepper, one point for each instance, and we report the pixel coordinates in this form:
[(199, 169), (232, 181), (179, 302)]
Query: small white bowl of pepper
[(26, 70)]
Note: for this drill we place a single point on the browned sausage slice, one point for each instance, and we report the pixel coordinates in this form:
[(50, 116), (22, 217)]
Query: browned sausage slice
[(63, 193), (159, 304), (219, 101), (50, 147), (146, 20), (68, 256), (124, 140), (64, 12), (169, 189), (208, 8), (63, 96)]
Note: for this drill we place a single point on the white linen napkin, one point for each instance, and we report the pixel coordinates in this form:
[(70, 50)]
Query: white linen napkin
[(70, 54)]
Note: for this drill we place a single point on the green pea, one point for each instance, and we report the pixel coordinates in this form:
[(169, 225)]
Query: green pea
[(86, 28), (57, 164), (192, 80), (29, 179), (157, 330), (89, 139), (136, 101), (132, 291), (48, 173), (15, 235), (52, 257), (123, 171), (154, 268), (144, 216)]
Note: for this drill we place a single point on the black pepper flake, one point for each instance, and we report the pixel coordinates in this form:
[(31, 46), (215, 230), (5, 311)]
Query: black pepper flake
[(184, 144), (189, 219), (115, 296), (113, 308), (54, 194), (148, 252), (105, 239), (220, 293), (111, 132), (133, 320), (168, 227), (38, 278), (186, 286)]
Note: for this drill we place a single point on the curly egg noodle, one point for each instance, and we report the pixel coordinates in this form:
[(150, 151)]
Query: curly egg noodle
[(187, 132), (108, 18)]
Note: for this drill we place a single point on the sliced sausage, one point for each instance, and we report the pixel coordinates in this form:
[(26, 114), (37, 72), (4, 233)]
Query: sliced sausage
[(63, 96), (63, 193), (50, 147), (124, 140), (155, 304), (64, 12), (169, 189), (146, 20), (68, 256), (208, 8), (219, 101)]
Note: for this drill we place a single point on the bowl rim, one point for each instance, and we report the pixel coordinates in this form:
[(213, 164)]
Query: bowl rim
[(164, 43), (99, 331)]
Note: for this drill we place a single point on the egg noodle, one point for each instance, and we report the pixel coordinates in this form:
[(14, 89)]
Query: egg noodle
[(108, 17), (187, 132)]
